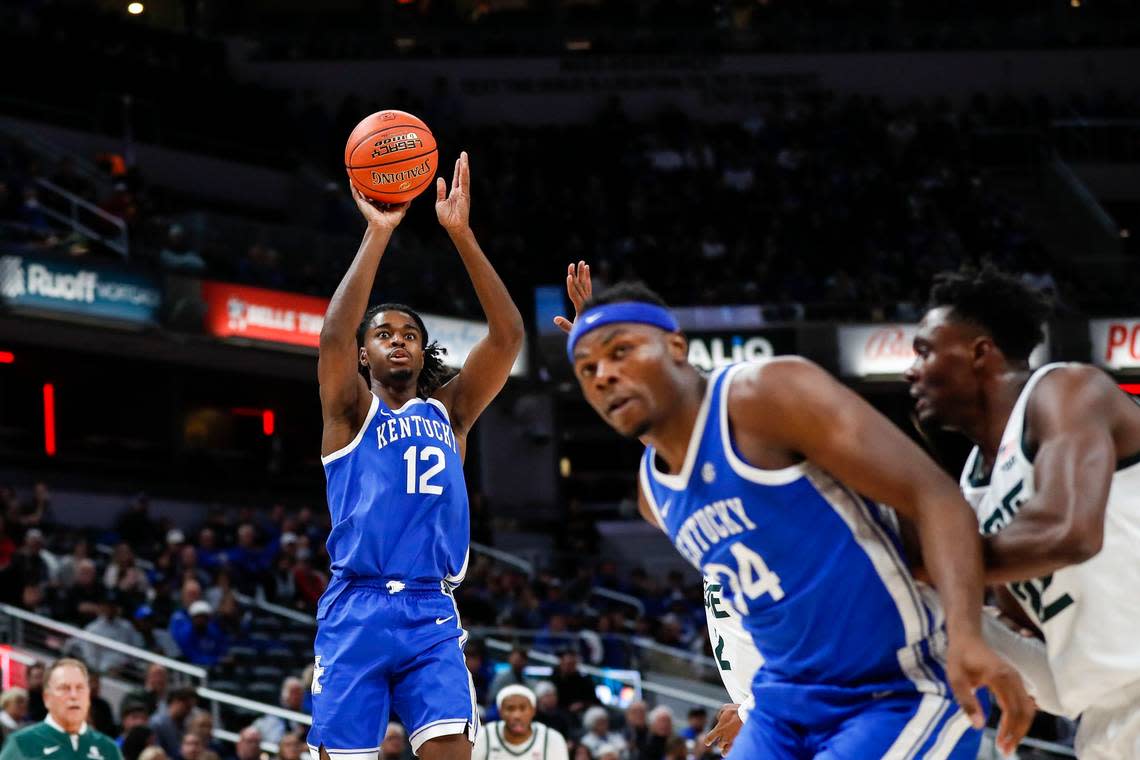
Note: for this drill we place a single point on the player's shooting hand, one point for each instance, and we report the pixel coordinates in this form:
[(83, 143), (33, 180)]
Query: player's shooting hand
[(971, 664), (380, 216), (579, 288), (724, 733), (454, 209)]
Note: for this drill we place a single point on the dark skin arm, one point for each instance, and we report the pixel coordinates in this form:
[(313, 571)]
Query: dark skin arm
[(1071, 416), (488, 366), (345, 395), (790, 409)]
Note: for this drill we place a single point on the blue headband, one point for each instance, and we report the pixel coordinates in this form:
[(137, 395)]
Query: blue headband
[(626, 311)]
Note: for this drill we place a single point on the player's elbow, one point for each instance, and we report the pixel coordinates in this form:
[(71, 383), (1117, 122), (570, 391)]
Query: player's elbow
[(509, 337), (1080, 542)]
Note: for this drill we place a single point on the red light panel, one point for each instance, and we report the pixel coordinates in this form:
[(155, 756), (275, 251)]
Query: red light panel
[(1133, 388), (7, 357), (268, 422), (49, 419)]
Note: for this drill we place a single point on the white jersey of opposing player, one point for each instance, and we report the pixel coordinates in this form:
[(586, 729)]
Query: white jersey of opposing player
[(1089, 612), (544, 744), (735, 652)]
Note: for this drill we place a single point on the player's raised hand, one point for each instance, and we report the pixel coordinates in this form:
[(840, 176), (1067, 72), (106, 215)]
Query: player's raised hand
[(724, 733), (454, 208), (971, 664), (579, 288), (378, 215)]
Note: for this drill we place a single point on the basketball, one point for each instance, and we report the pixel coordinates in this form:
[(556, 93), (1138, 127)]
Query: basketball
[(391, 156)]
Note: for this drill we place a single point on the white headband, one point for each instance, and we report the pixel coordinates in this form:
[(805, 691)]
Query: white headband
[(514, 690)]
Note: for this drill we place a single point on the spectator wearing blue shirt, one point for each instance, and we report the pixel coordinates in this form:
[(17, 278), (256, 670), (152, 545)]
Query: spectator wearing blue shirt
[(202, 641)]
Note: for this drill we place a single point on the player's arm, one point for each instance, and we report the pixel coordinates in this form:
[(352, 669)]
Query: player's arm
[(1070, 415), (488, 366), (344, 393), (803, 409)]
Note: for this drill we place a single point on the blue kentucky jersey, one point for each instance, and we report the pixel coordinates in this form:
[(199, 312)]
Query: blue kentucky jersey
[(815, 570), (398, 498)]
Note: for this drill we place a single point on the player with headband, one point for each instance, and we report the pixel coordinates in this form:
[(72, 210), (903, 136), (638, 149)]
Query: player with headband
[(771, 478)]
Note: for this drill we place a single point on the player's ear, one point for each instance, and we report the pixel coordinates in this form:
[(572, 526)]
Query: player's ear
[(678, 346), (982, 349), (363, 357)]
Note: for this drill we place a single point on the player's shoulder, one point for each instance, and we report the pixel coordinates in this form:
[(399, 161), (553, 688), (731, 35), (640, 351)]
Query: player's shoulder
[(31, 738), (1065, 383), (777, 380)]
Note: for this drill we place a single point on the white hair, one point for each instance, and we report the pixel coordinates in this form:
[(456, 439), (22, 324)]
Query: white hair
[(288, 684), (10, 695), (660, 710), (592, 715)]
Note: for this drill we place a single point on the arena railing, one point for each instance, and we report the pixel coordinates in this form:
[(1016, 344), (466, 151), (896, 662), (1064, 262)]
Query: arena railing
[(76, 207)]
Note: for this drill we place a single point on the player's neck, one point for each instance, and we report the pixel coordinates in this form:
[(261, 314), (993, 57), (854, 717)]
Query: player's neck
[(394, 396), (999, 396), (671, 437)]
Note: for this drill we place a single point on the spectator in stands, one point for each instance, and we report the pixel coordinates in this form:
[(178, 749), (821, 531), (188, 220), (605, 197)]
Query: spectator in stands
[(698, 720), (636, 729), (153, 691), (37, 711), (513, 675), (191, 748), (154, 753), (28, 567), (33, 599), (273, 727), (596, 723), (480, 669), (190, 592), (677, 748), (157, 640), (177, 254), (575, 690), (135, 526), (79, 604), (608, 752), (395, 742), (110, 625), (124, 576), (136, 740), (13, 711), (203, 642), (223, 584), (660, 731), (7, 545), (549, 713), (100, 716), (310, 583), (202, 723), (248, 745), (67, 176), (34, 542), (168, 724), (133, 714), (291, 747), (68, 566)]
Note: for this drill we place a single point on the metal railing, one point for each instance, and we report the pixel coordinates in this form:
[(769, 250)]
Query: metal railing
[(77, 207)]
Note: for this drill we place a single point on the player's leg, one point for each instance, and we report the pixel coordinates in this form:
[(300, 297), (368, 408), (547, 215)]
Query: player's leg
[(432, 691), (766, 737), (923, 727), (350, 687)]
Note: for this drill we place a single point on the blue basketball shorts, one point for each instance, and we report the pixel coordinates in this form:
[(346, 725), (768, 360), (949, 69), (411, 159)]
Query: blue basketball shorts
[(386, 646), (901, 727)]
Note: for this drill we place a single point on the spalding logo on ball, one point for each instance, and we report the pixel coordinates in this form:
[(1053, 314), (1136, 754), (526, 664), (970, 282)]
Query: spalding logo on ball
[(391, 156)]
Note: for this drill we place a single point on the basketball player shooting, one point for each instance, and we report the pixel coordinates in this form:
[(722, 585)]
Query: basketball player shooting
[(1054, 478), (769, 477), (389, 636)]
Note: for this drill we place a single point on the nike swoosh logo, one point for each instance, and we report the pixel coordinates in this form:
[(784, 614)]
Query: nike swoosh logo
[(665, 508), (441, 621), (591, 318), (50, 750)]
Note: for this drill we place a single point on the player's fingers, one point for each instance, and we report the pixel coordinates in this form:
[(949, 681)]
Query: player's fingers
[(563, 324), (968, 701), (465, 171), (587, 285), (1016, 709), (440, 189), (455, 176)]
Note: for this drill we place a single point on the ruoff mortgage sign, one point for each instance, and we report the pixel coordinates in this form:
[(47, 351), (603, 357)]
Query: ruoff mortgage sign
[(68, 289)]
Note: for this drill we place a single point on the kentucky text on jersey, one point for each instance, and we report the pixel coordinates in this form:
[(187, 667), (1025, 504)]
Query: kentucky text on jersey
[(392, 430), (708, 525)]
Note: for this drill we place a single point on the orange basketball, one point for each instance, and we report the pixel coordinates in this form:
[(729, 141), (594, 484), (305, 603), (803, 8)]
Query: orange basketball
[(391, 156)]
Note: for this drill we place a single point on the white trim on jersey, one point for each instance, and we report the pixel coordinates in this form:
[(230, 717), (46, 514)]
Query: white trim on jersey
[(931, 709), (359, 434), (439, 405), (344, 754), (892, 572), (680, 481), (949, 736), (438, 728), (455, 580), (647, 490), (779, 477)]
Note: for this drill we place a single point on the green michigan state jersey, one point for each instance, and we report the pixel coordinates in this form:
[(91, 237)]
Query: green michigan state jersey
[(45, 741)]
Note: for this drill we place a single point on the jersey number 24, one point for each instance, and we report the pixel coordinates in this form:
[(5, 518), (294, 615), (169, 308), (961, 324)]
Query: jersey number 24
[(751, 581)]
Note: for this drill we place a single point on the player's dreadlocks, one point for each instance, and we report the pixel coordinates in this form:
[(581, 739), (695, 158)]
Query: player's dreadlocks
[(628, 290), (1006, 308), (435, 373)]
